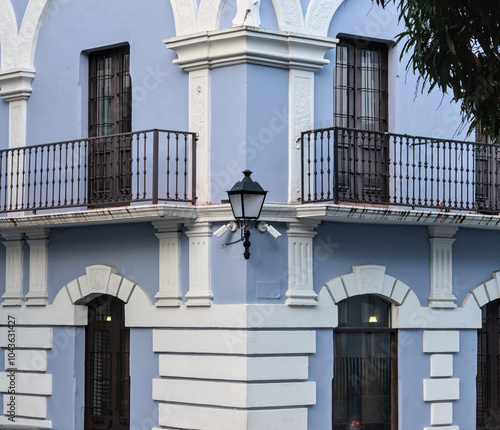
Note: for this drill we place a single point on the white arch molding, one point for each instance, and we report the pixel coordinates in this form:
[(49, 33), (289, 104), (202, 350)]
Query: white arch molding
[(8, 35), (102, 279), (485, 292), (372, 279)]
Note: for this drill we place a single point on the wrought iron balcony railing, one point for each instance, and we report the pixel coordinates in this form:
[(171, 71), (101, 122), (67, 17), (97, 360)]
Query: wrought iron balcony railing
[(368, 167), (143, 166)]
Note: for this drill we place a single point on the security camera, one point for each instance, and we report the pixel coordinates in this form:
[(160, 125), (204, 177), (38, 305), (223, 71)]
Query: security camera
[(264, 226), (231, 226)]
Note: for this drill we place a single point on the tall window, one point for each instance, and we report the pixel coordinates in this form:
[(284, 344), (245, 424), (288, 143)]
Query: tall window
[(107, 380), (110, 97), (488, 372), (364, 382), (110, 113), (360, 85), (360, 102)]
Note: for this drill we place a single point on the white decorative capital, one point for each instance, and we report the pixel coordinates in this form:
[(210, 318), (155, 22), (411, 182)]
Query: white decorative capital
[(250, 45), (15, 84)]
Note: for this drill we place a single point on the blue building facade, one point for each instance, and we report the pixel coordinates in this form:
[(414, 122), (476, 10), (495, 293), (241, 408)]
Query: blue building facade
[(122, 126)]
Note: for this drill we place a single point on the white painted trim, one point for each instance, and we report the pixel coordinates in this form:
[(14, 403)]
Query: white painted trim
[(239, 342), (441, 389), (300, 118), (247, 13), (233, 368), (200, 237), (485, 292), (300, 264), (290, 16), (34, 407), (209, 14), (33, 360), (14, 257), (441, 413), (169, 292), (15, 86), (38, 240), (319, 15), (395, 215), (28, 337), (441, 341), (250, 45), (8, 35), (199, 122), (272, 212), (184, 16), (235, 394), (30, 28), (28, 383), (206, 418), (27, 422), (140, 213), (441, 241)]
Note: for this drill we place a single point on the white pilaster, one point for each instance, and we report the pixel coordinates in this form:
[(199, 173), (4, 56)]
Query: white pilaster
[(200, 236), (300, 264), (199, 121), (38, 242), (14, 242), (15, 88), (441, 240), (169, 234), (301, 118)]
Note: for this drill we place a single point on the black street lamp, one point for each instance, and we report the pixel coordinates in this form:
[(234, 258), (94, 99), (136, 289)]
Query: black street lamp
[(246, 199)]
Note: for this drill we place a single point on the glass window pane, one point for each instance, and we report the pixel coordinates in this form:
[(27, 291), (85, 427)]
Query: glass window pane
[(362, 389), (364, 311)]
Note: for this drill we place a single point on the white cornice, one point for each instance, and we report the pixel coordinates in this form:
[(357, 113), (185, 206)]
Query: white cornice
[(15, 84), (253, 45), (272, 212), (373, 215)]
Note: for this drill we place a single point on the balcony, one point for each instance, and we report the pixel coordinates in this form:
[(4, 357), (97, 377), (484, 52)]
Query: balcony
[(142, 166), (384, 169)]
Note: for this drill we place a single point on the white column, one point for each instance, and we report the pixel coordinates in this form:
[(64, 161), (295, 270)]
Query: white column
[(300, 264), (169, 235), (39, 253), (301, 118), (441, 240), (15, 88), (199, 122), (14, 242), (200, 236)]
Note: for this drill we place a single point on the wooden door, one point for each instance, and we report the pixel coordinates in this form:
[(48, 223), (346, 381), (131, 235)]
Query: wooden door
[(360, 103), (107, 380), (110, 115)]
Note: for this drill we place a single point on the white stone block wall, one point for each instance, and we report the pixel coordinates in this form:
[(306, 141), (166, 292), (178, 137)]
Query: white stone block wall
[(228, 379), (25, 372)]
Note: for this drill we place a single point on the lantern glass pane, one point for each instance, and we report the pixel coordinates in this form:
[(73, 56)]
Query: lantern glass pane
[(252, 205), (236, 206)]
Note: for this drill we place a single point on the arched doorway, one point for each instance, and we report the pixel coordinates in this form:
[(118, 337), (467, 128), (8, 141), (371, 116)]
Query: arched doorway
[(365, 364), (107, 380), (488, 369)]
